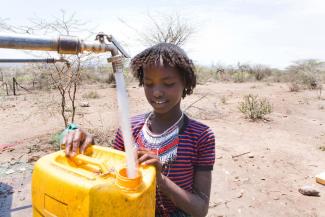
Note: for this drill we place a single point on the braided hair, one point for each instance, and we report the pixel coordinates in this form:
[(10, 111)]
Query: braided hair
[(166, 55)]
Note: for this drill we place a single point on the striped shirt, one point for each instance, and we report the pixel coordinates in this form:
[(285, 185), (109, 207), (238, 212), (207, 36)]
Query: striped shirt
[(196, 151)]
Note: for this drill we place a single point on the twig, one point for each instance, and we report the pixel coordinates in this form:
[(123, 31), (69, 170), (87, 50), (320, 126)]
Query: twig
[(202, 97), (197, 108), (214, 204), (238, 155), (22, 87)]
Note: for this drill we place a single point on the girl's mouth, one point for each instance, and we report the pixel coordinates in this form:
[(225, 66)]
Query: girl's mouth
[(159, 102)]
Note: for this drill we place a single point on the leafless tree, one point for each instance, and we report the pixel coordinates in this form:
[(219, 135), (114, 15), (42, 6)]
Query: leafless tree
[(308, 72), (173, 29), (260, 71), (3, 25), (65, 77), (307, 65)]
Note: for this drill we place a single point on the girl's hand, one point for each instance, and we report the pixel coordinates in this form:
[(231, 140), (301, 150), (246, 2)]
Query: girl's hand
[(147, 157), (77, 141)]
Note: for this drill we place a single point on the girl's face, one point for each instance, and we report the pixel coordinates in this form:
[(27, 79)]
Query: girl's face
[(163, 88)]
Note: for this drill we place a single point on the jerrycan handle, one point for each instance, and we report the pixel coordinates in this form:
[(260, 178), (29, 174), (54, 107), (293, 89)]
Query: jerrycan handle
[(89, 160)]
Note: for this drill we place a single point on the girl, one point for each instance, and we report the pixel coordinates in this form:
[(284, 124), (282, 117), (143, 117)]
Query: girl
[(181, 149)]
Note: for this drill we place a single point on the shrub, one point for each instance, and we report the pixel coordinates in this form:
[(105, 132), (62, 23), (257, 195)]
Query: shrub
[(254, 108), (307, 72), (309, 80), (55, 140), (294, 87), (240, 77), (260, 72), (205, 74), (223, 100)]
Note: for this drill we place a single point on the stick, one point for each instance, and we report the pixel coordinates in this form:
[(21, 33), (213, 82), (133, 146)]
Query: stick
[(17, 84), (196, 101), (14, 85), (238, 155)]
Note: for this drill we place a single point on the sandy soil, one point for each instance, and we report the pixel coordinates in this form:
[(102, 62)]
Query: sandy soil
[(284, 150)]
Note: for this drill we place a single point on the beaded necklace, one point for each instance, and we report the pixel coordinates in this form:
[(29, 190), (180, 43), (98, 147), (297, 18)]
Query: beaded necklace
[(163, 144)]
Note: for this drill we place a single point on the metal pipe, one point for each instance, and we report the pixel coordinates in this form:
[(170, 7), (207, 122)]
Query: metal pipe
[(62, 44), (47, 60), (28, 43), (119, 47)]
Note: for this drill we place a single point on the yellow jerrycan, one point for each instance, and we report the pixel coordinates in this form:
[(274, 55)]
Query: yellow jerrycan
[(94, 184)]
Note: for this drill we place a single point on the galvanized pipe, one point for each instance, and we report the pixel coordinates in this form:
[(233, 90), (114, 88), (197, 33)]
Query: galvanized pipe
[(119, 47), (47, 60), (62, 44)]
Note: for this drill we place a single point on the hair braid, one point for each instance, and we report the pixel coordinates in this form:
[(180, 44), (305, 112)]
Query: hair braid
[(167, 55)]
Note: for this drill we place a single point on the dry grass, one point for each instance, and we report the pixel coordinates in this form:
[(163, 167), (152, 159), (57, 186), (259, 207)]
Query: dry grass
[(91, 95)]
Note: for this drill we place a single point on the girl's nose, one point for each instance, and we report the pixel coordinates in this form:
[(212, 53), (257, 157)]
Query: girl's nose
[(157, 92)]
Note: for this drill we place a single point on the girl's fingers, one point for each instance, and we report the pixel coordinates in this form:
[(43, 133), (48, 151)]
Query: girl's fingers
[(142, 152), (64, 140), (150, 159), (144, 157), (143, 149), (68, 144), (150, 162), (88, 141), (153, 162), (147, 156), (77, 138)]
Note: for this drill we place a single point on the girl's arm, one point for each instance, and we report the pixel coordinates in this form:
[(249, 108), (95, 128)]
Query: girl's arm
[(195, 204)]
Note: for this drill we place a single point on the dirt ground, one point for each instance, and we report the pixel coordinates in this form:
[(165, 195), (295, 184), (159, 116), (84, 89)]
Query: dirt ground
[(279, 154)]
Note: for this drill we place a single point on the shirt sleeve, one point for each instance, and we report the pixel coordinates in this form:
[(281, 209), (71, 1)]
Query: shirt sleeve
[(205, 151), (118, 143)]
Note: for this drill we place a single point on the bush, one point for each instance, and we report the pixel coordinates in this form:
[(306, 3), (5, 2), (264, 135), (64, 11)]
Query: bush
[(294, 87), (254, 108), (55, 140), (205, 74), (307, 72), (309, 80), (260, 72), (240, 77)]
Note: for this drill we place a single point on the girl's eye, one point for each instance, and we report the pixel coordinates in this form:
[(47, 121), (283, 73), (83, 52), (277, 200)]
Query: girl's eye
[(169, 84)]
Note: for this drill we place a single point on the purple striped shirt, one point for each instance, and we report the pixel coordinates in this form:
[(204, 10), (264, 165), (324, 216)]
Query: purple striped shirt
[(196, 151)]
